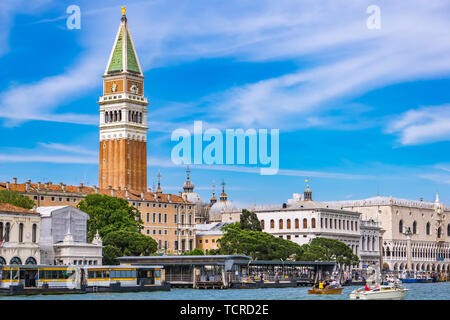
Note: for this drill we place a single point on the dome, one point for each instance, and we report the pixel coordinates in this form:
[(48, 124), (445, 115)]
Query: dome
[(188, 186), (192, 197), (218, 208)]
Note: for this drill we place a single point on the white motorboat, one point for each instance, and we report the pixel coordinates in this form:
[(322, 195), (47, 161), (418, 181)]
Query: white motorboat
[(394, 290), (389, 292)]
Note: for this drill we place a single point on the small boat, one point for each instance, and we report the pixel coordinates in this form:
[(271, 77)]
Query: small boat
[(337, 290), (389, 292), (374, 290)]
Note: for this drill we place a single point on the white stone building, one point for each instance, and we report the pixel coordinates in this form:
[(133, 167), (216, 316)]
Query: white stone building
[(301, 219), (417, 233), (19, 235), (63, 237)]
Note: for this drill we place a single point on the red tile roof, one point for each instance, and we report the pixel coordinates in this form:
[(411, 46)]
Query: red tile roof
[(84, 190), (6, 207)]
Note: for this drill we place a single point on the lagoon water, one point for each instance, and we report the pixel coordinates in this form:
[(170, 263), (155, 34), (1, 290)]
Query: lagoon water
[(417, 291)]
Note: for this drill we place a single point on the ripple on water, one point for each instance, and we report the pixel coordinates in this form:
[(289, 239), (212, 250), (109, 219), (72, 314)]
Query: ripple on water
[(417, 291)]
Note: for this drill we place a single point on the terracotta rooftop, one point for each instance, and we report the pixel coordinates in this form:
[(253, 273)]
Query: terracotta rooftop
[(6, 207), (48, 188)]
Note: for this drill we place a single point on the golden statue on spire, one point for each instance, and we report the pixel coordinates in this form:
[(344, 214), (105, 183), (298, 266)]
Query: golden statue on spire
[(123, 10)]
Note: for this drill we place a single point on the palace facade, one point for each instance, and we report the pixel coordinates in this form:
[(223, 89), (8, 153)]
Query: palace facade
[(417, 233)]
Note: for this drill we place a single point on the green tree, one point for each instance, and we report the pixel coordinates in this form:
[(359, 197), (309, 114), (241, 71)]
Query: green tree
[(249, 220), (16, 199), (259, 245), (108, 214), (130, 243), (324, 249), (195, 252), (110, 253)]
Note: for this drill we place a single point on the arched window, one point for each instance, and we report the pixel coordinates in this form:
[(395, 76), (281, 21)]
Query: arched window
[(339, 224), (356, 225), (2, 261), (326, 223), (331, 223), (414, 230), (20, 232), (351, 225), (321, 222), (439, 232), (348, 223), (1, 231), (400, 226), (305, 223), (288, 223), (280, 224), (120, 115), (140, 117), (448, 230), (297, 224), (30, 260), (262, 224), (272, 224), (428, 228), (313, 223), (129, 115), (106, 117), (335, 223), (15, 260)]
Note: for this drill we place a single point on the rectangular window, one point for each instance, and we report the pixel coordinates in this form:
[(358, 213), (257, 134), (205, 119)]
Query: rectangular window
[(154, 217), (165, 217), (42, 198)]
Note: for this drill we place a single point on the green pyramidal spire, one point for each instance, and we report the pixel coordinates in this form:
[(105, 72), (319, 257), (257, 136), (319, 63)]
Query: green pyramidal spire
[(123, 57)]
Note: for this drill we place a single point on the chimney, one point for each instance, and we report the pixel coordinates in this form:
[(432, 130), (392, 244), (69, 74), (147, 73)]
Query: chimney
[(180, 193), (118, 188), (127, 194), (142, 196), (7, 185), (96, 189), (63, 186), (39, 186), (154, 196), (112, 192), (15, 180), (80, 188), (27, 185), (169, 197), (47, 185)]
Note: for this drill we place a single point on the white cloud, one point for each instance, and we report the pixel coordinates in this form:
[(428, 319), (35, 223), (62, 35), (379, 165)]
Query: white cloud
[(344, 58), (423, 125)]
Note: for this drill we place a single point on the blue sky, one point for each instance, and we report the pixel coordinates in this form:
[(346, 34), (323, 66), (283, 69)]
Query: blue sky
[(361, 112)]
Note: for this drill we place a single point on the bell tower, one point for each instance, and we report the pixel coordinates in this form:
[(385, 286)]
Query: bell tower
[(123, 118)]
